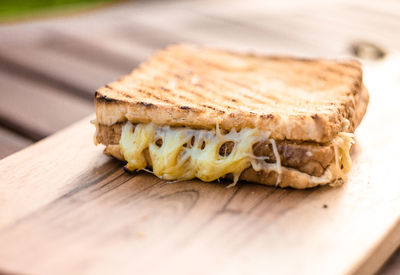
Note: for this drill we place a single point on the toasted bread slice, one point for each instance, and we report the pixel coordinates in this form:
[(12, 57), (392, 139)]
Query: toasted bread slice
[(185, 85)]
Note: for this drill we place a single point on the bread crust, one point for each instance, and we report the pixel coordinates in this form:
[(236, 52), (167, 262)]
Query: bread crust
[(185, 85)]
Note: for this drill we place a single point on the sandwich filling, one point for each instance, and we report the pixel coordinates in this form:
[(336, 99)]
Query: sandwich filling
[(179, 153)]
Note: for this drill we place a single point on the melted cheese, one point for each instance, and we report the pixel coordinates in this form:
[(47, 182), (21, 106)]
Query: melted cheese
[(134, 140), (278, 161), (183, 153), (342, 145)]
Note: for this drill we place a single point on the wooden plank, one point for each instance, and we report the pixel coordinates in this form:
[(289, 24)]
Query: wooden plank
[(11, 142), (52, 58), (392, 267), (79, 64), (36, 110), (89, 216), (88, 50), (71, 72)]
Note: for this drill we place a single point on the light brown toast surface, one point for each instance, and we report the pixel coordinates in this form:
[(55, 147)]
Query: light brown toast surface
[(185, 85)]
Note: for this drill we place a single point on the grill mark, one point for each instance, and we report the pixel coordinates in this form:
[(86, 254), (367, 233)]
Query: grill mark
[(322, 66), (267, 116), (215, 82), (192, 92), (188, 87), (306, 86), (166, 74), (152, 93), (243, 98), (208, 90), (209, 81), (213, 108), (182, 89), (174, 94), (323, 63), (352, 65), (265, 96), (212, 84), (326, 66), (203, 105), (154, 96), (299, 82), (145, 104), (251, 99), (103, 98), (254, 101), (337, 71)]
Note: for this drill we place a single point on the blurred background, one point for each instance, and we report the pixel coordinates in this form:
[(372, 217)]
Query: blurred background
[(54, 54)]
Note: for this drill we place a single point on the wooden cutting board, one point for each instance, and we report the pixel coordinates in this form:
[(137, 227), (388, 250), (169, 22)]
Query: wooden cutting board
[(65, 208)]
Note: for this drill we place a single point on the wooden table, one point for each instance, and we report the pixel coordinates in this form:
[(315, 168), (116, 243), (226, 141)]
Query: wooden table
[(49, 69)]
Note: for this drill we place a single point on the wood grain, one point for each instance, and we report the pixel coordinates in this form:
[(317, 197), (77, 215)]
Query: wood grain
[(67, 71), (35, 109), (392, 266), (81, 213)]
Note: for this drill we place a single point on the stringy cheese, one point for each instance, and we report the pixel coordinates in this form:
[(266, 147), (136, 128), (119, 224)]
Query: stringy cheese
[(278, 160), (342, 145), (184, 153)]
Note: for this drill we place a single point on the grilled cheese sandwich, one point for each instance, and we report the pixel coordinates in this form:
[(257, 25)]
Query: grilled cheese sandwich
[(155, 135)]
